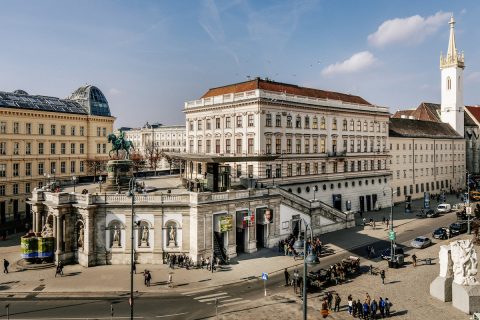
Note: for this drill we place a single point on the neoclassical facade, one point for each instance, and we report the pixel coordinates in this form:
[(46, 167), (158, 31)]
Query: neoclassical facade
[(46, 138), (96, 229), (155, 139), (426, 156), (327, 145)]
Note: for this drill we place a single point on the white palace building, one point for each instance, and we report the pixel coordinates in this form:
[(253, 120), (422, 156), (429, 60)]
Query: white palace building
[(316, 144)]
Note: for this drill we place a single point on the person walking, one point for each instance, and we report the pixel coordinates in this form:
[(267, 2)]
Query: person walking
[(324, 311), (145, 276), (388, 304), (59, 269), (373, 309), (414, 260), (337, 303), (149, 278), (287, 277), (170, 280), (381, 307), (295, 281), (382, 275), (388, 223), (329, 300), (5, 265), (350, 304)]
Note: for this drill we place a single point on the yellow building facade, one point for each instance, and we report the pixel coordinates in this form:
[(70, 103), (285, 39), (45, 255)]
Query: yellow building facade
[(45, 139)]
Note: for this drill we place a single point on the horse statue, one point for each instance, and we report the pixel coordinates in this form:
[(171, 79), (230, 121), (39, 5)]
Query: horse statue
[(120, 143)]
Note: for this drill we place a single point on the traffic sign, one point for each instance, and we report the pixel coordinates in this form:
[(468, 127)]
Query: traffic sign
[(392, 235), (264, 276), (468, 210)]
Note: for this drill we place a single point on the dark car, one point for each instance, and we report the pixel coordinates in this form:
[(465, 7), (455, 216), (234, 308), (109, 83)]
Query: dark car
[(457, 228), (432, 213), (385, 254), (440, 233)]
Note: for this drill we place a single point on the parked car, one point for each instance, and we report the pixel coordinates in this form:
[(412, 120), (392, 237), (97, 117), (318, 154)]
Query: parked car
[(385, 254), (444, 208), (440, 233), (421, 242), (457, 228), (432, 213)]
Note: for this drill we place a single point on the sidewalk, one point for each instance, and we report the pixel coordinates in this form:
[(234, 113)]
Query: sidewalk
[(113, 280)]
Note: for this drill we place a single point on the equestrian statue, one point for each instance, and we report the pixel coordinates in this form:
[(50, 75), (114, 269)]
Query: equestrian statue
[(120, 143)]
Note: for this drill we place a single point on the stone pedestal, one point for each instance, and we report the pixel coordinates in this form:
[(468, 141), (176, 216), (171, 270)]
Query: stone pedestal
[(119, 174), (441, 288), (144, 244), (171, 244), (466, 298)]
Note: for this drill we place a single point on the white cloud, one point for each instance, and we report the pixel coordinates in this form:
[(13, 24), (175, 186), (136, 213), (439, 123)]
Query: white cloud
[(359, 61), (410, 30), (114, 91)]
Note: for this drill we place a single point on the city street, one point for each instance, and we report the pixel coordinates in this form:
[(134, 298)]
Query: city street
[(200, 302)]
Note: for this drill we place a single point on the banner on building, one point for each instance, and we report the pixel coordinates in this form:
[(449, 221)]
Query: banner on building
[(226, 223), (426, 200)]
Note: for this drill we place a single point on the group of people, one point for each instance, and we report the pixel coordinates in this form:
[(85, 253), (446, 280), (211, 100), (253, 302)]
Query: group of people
[(369, 309), (181, 260), (286, 246)]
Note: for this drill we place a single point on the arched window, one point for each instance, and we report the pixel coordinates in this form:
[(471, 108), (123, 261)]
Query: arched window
[(359, 125), (322, 123), (449, 83), (352, 125)]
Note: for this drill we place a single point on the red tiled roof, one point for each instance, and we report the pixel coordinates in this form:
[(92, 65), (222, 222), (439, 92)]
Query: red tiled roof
[(269, 85), (474, 111)]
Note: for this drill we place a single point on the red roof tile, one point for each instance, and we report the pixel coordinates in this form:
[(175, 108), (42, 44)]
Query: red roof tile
[(269, 85), (474, 111)]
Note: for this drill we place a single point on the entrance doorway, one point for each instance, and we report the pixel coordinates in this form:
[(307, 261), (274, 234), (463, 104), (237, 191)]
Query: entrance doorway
[(16, 215), (3, 212), (295, 227), (362, 203), (241, 231), (369, 203), (337, 201), (374, 199)]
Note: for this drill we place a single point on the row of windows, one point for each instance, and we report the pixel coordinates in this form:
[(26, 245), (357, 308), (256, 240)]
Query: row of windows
[(318, 145), (359, 126), (338, 185), (41, 148), (101, 132), (428, 171), (16, 168), (426, 146), (298, 169), (423, 187), (420, 158), (27, 129)]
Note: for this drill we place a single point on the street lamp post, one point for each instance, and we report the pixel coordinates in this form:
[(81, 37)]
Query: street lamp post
[(468, 203), (74, 180), (311, 259), (392, 238), (131, 193)]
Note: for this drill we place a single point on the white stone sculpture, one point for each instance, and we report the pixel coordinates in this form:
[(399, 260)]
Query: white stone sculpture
[(445, 261), (80, 236), (171, 237), (145, 233), (465, 262), (116, 237), (47, 230)]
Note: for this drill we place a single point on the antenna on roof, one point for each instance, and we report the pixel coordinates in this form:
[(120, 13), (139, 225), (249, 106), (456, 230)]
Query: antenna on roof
[(248, 77)]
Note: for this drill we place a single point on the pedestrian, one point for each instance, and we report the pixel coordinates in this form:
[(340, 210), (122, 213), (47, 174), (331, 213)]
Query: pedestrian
[(359, 309), (337, 303), (324, 311), (208, 264), (373, 224), (287, 277), (373, 308), (367, 297), (371, 270), (285, 248), (59, 269), (149, 278), (414, 260), (382, 275), (364, 221), (381, 306), (366, 309), (329, 300), (145, 276), (295, 281), (350, 304), (388, 304), (383, 220), (5, 265), (170, 280)]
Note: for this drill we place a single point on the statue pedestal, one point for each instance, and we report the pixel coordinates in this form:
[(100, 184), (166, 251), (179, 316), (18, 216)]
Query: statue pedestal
[(466, 298), (171, 244), (119, 174), (441, 288), (144, 244), (115, 244)]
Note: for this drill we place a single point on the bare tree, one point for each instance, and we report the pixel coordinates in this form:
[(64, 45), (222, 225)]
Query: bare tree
[(138, 161), (153, 154), (96, 167)]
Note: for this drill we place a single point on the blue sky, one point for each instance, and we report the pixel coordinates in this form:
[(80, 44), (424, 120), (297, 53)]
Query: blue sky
[(149, 57)]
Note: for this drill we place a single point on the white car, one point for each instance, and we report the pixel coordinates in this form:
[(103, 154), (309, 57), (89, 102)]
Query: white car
[(444, 207), (421, 242)]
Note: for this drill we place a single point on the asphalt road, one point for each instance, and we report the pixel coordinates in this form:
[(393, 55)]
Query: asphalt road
[(191, 305)]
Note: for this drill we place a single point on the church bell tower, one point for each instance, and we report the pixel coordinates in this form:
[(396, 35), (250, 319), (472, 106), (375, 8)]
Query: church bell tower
[(451, 66)]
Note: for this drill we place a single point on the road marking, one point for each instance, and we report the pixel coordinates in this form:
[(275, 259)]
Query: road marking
[(171, 315), (191, 293), (211, 295), (233, 303), (213, 299)]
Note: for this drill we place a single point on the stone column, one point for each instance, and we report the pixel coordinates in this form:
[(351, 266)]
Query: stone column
[(59, 236), (34, 222)]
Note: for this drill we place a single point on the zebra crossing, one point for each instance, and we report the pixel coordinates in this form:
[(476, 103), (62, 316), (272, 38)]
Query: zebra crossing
[(208, 297)]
